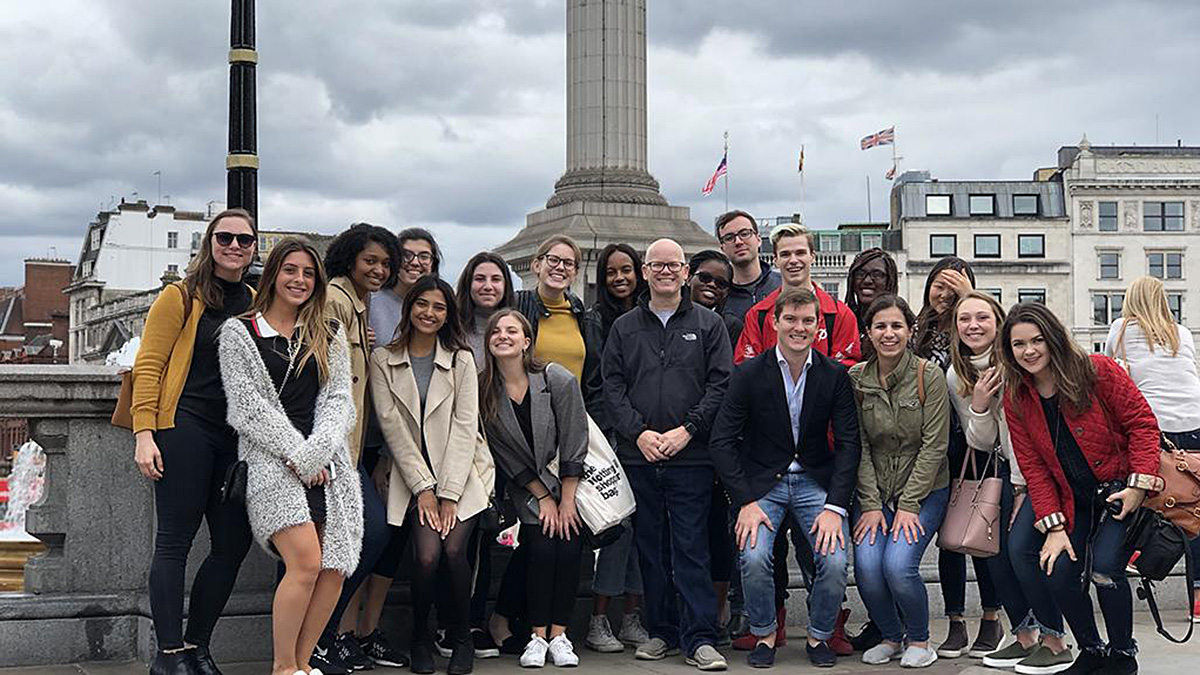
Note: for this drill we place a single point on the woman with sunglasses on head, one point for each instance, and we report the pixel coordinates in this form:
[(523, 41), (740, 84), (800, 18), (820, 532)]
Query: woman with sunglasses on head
[(185, 445), (974, 381), (361, 261), (440, 475), (872, 274), (1087, 443), (286, 369), (619, 283), (903, 482), (534, 417)]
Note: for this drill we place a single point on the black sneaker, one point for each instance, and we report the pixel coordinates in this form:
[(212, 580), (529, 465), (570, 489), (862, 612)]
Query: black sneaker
[(204, 662), (325, 659), (485, 646), (822, 655), (762, 656), (513, 646), (868, 636), (422, 658), (379, 650), (1119, 664), (351, 653), (443, 644), (1089, 663)]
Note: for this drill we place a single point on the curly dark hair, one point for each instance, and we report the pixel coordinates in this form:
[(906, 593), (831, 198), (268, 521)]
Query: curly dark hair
[(710, 254), (344, 249), (610, 308), (466, 304), (422, 234), (891, 285)]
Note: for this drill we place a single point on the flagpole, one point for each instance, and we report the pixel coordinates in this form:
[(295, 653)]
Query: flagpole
[(802, 195), (869, 198), (726, 176)]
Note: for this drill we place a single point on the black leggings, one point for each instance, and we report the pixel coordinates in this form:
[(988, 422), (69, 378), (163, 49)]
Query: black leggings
[(430, 549), (195, 457), (552, 579), (952, 567)]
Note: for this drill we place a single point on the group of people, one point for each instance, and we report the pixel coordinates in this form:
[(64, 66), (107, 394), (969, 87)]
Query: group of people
[(355, 406)]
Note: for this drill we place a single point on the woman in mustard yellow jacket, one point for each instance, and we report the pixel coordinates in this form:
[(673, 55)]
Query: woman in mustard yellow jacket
[(185, 445)]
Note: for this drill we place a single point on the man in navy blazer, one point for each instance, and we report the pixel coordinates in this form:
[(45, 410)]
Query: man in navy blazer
[(771, 446)]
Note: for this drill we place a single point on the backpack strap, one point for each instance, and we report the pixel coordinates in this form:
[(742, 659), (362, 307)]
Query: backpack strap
[(762, 321), (921, 363), (830, 322), (187, 300)]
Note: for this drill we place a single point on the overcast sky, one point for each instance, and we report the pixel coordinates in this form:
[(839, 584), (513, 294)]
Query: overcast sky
[(450, 113)]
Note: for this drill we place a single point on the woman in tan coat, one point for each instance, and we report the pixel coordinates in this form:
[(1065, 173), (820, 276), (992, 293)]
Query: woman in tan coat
[(424, 389)]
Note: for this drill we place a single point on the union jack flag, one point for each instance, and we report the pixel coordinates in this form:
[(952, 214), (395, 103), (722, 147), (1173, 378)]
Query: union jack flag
[(885, 137), (712, 182)]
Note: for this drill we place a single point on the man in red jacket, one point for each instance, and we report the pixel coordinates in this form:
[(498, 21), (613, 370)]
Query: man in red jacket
[(837, 335)]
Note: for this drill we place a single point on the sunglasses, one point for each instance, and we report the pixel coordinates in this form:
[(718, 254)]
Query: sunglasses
[(706, 278), (226, 238)]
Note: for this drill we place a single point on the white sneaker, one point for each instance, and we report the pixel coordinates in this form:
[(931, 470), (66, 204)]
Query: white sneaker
[(881, 654), (918, 657), (535, 652), (632, 631), (600, 637), (562, 652), (315, 671)]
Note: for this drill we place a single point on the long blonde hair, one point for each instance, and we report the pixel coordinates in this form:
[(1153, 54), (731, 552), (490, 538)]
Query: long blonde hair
[(960, 356), (1146, 303), (315, 333)]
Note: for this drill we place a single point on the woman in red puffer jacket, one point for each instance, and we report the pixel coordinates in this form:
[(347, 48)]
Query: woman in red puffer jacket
[(1087, 443)]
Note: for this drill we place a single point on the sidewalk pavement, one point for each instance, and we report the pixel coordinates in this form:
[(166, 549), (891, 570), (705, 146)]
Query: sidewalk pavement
[(1157, 657)]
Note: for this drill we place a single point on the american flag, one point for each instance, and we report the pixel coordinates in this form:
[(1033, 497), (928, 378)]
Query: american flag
[(712, 182), (885, 137)]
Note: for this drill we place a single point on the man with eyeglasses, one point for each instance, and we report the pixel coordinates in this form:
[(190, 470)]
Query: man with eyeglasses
[(752, 279), (665, 368)]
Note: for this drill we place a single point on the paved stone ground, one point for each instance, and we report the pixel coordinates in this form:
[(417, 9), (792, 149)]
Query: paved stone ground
[(1158, 657)]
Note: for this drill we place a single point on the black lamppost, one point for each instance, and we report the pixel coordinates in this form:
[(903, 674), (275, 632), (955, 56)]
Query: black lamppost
[(241, 164)]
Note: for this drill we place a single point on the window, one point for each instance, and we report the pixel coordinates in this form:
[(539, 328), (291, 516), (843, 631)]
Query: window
[(95, 239), (172, 240), (196, 237), (1031, 295), (982, 205), (1110, 265), (1162, 216), (86, 270), (1108, 216), (941, 245), (987, 246), (1106, 307), (937, 205), (995, 293), (173, 269), (872, 241), (1165, 265), (1031, 246), (1175, 304), (1025, 205), (830, 287), (831, 243)]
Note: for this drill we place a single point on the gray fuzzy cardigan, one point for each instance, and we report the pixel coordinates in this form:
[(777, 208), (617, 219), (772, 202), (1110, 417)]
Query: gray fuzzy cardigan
[(268, 442)]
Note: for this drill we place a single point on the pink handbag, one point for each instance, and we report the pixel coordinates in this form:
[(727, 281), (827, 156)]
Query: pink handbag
[(972, 524)]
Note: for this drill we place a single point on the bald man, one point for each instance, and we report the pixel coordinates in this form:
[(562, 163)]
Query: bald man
[(666, 365)]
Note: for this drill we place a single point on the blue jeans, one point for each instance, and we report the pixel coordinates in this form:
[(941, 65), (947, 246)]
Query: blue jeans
[(804, 498), (670, 531), (617, 570), (888, 573), (1024, 548)]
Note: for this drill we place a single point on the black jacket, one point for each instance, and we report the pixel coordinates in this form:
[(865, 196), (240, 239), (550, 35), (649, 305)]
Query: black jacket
[(660, 378), (530, 304), (742, 297), (752, 437)]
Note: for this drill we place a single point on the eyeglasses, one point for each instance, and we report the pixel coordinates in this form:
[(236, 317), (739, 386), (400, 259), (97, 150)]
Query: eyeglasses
[(554, 261), (878, 276), (658, 266), (425, 257), (744, 234), (706, 278), (226, 238)]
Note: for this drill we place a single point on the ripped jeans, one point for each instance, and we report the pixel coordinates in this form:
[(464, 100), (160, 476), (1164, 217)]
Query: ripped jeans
[(1108, 575)]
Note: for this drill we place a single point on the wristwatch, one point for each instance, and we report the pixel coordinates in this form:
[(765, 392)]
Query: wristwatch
[(690, 428)]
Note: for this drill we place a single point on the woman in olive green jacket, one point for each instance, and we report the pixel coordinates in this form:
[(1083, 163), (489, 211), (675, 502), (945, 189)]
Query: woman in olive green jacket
[(903, 482)]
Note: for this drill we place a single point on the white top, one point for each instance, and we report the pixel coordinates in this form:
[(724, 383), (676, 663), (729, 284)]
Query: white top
[(983, 428), (1169, 383)]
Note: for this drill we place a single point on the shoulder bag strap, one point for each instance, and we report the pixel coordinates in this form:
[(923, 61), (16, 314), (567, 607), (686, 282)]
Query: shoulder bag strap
[(921, 363)]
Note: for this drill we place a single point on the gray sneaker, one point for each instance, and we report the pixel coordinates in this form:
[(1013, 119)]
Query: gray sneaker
[(632, 630), (654, 649), (955, 644), (918, 657), (706, 657), (1009, 656), (600, 637), (881, 654), (1043, 661)]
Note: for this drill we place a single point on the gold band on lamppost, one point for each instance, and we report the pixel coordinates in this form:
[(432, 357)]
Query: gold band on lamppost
[(241, 161), (243, 56)]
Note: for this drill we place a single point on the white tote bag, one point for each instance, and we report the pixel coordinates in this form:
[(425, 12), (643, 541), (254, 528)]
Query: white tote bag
[(604, 497)]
